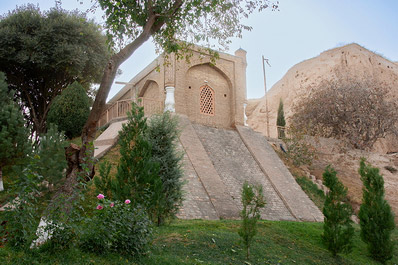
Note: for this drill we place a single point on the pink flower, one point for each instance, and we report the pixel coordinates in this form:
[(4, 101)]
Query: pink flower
[(127, 201), (112, 204), (99, 207), (100, 196)]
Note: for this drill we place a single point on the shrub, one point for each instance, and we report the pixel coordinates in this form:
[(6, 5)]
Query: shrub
[(252, 200), (163, 137), (337, 228), (299, 151), (70, 110), (50, 160), (14, 136), (375, 215), (117, 227), (23, 214), (358, 112)]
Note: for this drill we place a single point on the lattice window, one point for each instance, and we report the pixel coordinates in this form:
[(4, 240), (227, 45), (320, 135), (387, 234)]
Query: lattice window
[(207, 100)]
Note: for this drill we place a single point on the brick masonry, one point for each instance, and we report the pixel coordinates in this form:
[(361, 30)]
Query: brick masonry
[(294, 197)]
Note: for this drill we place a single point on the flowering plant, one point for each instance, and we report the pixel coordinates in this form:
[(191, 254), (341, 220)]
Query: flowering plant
[(117, 227)]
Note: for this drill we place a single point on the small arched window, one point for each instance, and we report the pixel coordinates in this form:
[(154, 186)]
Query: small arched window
[(207, 100)]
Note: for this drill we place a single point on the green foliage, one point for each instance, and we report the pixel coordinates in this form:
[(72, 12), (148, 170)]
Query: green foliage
[(117, 227), (280, 120), (23, 214), (299, 151), (337, 228), (46, 52), (376, 217), (312, 191), (103, 182), (179, 20), (50, 159), (137, 175), (252, 200), (70, 110), (163, 137), (14, 136)]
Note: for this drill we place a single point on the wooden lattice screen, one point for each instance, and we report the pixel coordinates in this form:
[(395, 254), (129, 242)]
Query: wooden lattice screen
[(207, 100)]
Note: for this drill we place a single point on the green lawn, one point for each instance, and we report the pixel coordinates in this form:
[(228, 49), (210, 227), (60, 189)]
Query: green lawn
[(215, 242)]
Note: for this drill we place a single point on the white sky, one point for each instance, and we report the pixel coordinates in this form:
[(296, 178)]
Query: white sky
[(302, 29)]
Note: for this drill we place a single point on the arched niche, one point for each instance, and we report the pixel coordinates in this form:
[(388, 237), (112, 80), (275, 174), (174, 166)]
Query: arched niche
[(218, 88)]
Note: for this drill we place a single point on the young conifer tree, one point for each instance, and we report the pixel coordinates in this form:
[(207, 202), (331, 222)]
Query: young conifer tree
[(337, 229), (252, 200), (137, 174), (14, 136), (163, 136), (376, 217)]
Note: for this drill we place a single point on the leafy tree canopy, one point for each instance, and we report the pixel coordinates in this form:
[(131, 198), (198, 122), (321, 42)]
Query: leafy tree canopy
[(70, 110), (42, 53)]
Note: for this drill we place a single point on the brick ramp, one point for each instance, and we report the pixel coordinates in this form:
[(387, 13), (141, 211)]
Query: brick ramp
[(294, 197), (107, 139), (235, 164), (225, 207)]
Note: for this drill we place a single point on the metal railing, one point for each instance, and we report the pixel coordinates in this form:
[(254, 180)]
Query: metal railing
[(120, 108)]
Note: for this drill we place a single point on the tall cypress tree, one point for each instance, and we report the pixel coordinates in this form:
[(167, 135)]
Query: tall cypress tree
[(376, 217), (280, 120), (337, 227), (14, 136)]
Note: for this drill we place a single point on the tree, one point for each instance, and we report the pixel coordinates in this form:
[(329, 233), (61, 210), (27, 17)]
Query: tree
[(337, 228), (42, 53), (14, 136), (129, 24), (357, 111), (280, 120), (252, 200), (375, 215), (70, 110), (137, 176), (163, 137)]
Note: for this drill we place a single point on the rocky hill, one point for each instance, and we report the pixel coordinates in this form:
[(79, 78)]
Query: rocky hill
[(352, 60)]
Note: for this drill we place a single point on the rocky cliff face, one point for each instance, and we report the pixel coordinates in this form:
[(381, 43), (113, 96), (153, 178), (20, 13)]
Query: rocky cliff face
[(350, 61)]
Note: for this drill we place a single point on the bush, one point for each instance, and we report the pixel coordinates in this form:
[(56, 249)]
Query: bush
[(163, 137), (14, 136), (70, 110), (358, 112), (252, 200), (117, 227), (50, 160), (375, 215), (299, 151), (337, 228), (23, 214)]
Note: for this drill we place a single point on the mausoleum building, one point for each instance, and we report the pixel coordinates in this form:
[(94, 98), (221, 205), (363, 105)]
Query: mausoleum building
[(207, 93)]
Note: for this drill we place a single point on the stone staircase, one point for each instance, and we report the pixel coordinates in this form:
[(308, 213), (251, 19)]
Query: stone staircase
[(216, 162)]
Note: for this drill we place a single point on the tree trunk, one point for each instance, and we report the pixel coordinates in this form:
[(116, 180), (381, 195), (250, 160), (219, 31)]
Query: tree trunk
[(1, 179)]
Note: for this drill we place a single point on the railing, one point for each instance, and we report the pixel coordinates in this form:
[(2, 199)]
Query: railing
[(120, 108)]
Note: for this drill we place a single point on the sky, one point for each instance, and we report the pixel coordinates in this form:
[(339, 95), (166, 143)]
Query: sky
[(299, 30)]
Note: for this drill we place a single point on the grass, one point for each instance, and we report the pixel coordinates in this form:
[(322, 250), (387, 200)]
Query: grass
[(214, 242), (315, 194)]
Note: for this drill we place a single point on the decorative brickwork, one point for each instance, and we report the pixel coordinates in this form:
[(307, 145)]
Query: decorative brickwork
[(207, 100)]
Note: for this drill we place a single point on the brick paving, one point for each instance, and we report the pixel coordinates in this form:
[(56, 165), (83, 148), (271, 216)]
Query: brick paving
[(235, 164), (292, 194)]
